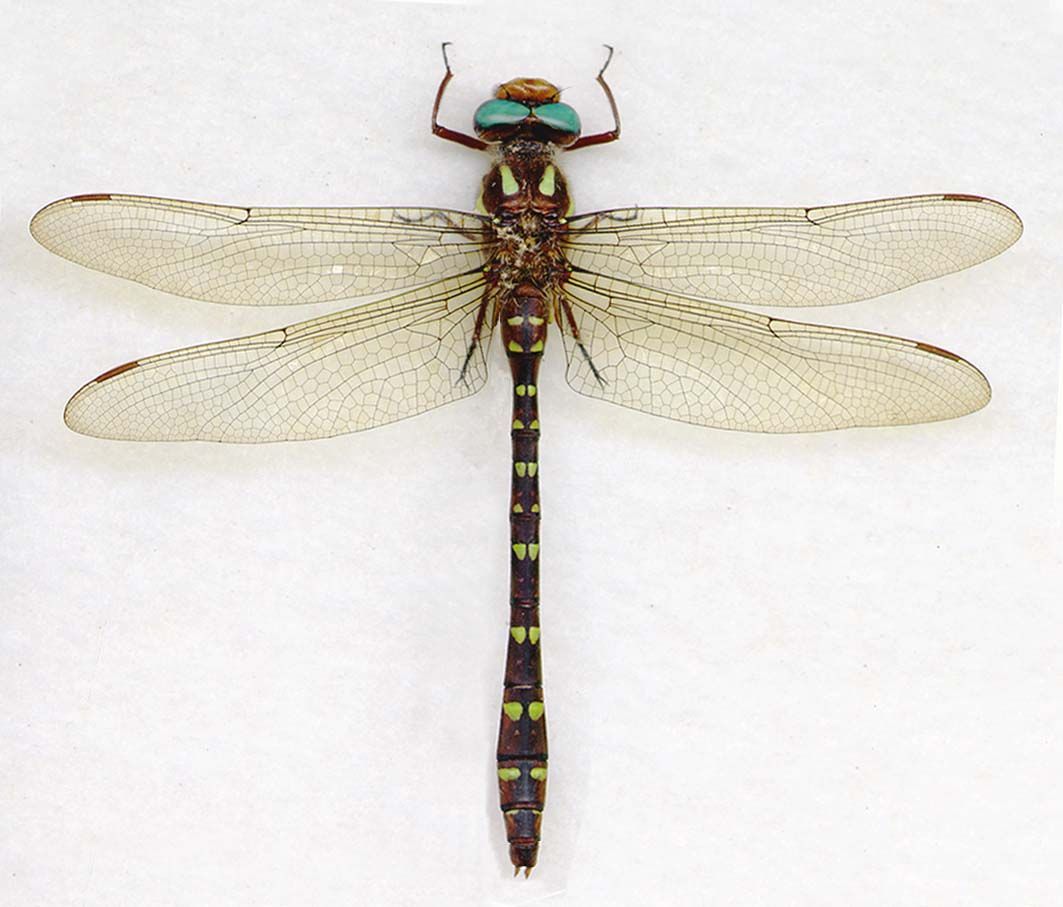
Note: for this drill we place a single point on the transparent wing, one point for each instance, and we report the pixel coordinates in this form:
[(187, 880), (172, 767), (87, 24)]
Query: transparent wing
[(261, 256), (710, 365), (793, 256), (347, 371)]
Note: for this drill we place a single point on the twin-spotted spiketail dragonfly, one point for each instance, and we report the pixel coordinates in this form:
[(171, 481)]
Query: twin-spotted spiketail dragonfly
[(635, 294)]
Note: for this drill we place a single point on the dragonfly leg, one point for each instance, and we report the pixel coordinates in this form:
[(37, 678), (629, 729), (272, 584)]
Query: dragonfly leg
[(477, 334), (574, 331), (451, 135), (436, 214), (601, 138)]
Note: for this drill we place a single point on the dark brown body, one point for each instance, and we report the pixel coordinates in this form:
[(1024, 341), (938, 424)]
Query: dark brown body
[(527, 199)]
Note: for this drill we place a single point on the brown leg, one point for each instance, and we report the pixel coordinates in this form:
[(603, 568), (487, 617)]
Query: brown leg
[(481, 316), (574, 331), (600, 138), (451, 135)]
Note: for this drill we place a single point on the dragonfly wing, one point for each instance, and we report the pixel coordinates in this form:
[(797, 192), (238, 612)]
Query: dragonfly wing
[(794, 256), (710, 365), (261, 256), (344, 372)]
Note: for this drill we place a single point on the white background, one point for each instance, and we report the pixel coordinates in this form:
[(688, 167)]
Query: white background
[(815, 670)]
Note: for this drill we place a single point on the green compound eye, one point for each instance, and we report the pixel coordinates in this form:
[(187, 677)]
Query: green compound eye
[(560, 117), (498, 112)]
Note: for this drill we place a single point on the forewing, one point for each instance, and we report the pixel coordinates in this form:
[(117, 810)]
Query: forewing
[(344, 372), (715, 366), (793, 256), (261, 256)]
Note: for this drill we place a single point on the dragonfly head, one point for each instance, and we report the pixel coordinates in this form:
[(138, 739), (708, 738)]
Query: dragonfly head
[(527, 108)]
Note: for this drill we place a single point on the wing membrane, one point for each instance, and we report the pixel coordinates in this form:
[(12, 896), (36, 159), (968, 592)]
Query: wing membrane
[(793, 256), (710, 365), (344, 372), (260, 256)]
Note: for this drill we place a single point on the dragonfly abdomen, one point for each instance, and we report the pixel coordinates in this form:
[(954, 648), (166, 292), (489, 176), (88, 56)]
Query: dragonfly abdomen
[(522, 750)]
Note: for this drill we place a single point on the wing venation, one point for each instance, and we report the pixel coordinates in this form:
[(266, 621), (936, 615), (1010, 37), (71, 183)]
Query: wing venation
[(261, 256), (711, 365), (348, 371), (793, 256)]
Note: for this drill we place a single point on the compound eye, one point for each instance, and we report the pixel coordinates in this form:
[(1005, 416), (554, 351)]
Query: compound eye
[(559, 117), (498, 112)]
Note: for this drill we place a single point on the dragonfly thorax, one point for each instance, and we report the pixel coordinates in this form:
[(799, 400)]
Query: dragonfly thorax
[(525, 179), (527, 198)]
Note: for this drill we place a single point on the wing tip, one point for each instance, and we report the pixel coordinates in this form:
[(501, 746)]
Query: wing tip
[(72, 416), (38, 220), (1007, 212), (980, 396), (72, 411), (41, 216)]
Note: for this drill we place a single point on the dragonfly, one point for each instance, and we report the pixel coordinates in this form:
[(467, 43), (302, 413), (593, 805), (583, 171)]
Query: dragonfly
[(642, 299)]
